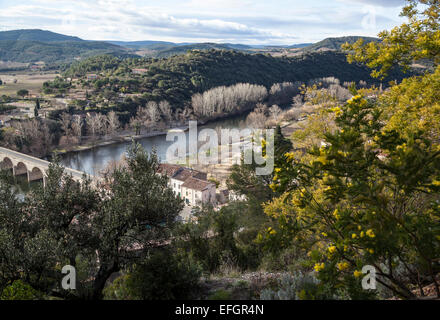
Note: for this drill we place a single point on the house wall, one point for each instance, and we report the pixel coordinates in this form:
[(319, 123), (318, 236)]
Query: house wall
[(176, 185), (194, 197)]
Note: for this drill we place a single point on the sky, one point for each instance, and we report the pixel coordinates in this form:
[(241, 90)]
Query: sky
[(276, 22)]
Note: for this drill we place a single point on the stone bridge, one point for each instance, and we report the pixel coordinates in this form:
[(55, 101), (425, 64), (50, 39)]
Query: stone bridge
[(33, 168)]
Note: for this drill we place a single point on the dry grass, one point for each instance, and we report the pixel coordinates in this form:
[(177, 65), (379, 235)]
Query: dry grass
[(33, 82)]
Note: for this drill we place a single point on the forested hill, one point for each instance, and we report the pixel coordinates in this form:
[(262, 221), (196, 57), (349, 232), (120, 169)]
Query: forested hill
[(29, 46), (178, 77), (35, 35), (336, 43)]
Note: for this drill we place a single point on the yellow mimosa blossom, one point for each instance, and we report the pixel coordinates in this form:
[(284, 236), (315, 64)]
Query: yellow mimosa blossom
[(324, 234), (336, 214), (332, 249), (371, 251), (337, 111), (362, 234), (370, 233), (342, 266), (354, 236), (354, 99), (290, 156), (357, 273), (319, 266)]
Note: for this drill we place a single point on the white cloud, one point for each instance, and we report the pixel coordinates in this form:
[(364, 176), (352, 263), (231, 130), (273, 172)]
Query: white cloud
[(246, 21)]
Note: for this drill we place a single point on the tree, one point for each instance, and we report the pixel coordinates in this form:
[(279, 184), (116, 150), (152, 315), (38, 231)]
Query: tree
[(99, 230), (368, 191), (275, 112), (95, 123), (66, 120), (153, 112), (257, 118), (77, 125), (22, 93), (412, 41), (368, 197), (164, 275), (165, 109), (113, 122)]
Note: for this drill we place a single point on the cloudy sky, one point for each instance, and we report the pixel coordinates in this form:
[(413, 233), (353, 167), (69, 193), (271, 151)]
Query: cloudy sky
[(235, 21)]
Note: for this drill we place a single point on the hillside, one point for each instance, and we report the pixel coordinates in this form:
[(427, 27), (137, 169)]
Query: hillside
[(32, 45), (35, 35), (27, 46), (54, 52), (181, 49), (336, 43), (178, 77)]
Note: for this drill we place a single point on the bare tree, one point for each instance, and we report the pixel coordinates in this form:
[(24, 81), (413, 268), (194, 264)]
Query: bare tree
[(65, 122), (95, 123), (113, 123), (275, 112), (224, 100), (165, 109), (77, 124), (153, 112), (282, 93), (258, 117), (297, 101)]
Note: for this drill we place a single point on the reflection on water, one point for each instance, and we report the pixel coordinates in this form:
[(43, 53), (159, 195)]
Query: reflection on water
[(22, 186), (94, 160)]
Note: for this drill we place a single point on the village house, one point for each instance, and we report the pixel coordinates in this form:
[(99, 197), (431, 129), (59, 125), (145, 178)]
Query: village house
[(91, 76), (139, 71), (191, 185)]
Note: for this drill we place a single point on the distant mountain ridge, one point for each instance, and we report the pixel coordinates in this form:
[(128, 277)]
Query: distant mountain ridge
[(36, 35), (336, 43), (32, 45)]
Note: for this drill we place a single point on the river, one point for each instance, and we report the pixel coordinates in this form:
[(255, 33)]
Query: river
[(92, 161)]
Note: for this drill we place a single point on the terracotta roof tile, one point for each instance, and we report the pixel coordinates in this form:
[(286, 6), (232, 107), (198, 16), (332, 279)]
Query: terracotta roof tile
[(196, 184)]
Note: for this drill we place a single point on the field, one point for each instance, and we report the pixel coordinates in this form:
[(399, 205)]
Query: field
[(32, 82)]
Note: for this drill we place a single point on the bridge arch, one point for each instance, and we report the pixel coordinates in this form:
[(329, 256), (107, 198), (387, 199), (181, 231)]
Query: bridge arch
[(20, 169), (6, 164), (36, 174)]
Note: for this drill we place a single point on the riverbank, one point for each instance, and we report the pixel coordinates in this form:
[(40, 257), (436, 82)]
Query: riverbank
[(121, 137)]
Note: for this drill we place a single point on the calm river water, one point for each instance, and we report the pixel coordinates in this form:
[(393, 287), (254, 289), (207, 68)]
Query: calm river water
[(94, 160)]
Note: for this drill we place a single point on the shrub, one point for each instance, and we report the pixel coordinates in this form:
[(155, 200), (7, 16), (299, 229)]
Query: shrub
[(298, 286), (164, 276), (220, 295), (19, 290)]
